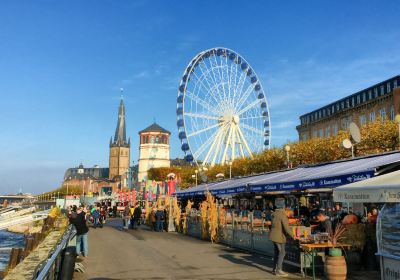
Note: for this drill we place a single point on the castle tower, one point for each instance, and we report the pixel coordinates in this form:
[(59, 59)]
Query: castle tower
[(153, 149), (120, 150)]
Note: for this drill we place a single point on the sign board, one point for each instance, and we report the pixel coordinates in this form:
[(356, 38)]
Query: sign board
[(365, 195), (390, 269)]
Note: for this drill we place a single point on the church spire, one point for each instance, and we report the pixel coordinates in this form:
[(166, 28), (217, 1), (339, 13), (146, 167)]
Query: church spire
[(120, 131)]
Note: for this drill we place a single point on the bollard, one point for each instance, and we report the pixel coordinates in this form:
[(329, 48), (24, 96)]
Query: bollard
[(68, 263)]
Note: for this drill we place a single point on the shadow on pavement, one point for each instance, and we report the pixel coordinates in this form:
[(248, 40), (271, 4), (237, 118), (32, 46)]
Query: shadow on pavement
[(255, 260)]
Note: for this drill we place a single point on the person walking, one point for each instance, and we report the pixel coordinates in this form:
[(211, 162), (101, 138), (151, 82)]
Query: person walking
[(160, 219), (279, 229), (137, 213), (78, 219), (96, 216), (126, 217), (153, 219)]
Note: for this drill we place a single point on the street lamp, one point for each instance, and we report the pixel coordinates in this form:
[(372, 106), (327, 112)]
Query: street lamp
[(195, 176), (230, 169), (287, 149), (397, 119)]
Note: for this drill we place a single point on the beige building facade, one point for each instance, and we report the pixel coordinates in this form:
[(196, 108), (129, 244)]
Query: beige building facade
[(153, 150), (380, 100)]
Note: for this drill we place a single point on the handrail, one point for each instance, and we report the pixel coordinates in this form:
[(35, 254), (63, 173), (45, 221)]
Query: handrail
[(44, 270)]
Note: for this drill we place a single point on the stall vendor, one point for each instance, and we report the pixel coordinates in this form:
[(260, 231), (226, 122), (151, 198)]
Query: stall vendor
[(324, 223)]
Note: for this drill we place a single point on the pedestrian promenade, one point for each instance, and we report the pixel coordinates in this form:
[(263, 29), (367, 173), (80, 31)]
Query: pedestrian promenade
[(115, 253)]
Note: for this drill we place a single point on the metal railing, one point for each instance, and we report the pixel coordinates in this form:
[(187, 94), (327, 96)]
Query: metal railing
[(50, 269)]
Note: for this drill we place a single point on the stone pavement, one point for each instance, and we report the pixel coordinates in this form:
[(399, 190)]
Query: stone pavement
[(115, 253)]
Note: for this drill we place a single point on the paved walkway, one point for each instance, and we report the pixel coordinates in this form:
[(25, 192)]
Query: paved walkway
[(142, 254)]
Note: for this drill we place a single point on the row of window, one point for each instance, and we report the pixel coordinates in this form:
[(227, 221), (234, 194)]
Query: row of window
[(154, 139), (350, 102), (347, 120)]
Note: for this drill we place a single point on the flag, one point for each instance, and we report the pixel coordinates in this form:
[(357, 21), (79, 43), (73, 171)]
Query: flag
[(158, 191), (166, 188), (134, 197)]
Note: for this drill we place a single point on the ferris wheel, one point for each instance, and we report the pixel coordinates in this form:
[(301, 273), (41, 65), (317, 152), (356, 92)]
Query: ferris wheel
[(222, 111)]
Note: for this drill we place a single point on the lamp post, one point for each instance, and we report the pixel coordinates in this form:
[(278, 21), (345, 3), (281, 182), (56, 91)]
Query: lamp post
[(287, 149), (397, 119), (230, 169), (195, 176)]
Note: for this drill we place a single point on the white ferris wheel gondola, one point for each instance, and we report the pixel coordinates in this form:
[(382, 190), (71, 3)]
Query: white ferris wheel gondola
[(222, 111)]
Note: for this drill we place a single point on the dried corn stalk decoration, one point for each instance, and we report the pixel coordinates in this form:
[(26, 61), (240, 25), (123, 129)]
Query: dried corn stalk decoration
[(147, 208), (222, 215), (203, 219), (212, 217), (167, 202), (188, 208), (176, 214)]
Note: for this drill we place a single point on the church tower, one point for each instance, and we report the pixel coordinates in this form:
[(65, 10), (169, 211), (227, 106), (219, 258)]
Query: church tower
[(120, 150), (153, 149)]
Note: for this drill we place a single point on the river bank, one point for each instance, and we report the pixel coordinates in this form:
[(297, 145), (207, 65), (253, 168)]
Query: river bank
[(28, 228)]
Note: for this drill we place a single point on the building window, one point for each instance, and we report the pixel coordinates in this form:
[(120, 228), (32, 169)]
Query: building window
[(382, 113), (372, 116), (364, 97), (335, 129), (370, 94), (375, 92), (328, 131), (337, 107), (352, 102), (321, 132), (392, 112), (394, 84), (363, 120), (157, 139), (347, 103), (382, 90), (358, 99), (315, 134), (152, 139), (388, 87)]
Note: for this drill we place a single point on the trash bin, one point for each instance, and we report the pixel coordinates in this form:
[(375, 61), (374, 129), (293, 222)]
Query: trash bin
[(68, 263)]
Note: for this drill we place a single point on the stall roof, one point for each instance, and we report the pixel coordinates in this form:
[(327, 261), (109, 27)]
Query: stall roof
[(384, 188), (330, 174)]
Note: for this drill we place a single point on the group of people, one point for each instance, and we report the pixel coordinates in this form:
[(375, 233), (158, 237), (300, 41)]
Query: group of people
[(158, 219), (132, 216), (81, 217)]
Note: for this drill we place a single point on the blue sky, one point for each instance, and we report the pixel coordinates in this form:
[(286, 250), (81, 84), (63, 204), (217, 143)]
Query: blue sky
[(62, 64)]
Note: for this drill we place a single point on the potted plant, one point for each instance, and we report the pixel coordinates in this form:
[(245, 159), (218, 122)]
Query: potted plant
[(335, 263)]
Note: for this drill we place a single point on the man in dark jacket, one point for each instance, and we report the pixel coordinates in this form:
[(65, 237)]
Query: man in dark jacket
[(79, 221), (137, 213), (279, 229), (160, 219)]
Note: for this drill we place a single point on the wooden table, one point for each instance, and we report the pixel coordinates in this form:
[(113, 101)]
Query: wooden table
[(311, 249)]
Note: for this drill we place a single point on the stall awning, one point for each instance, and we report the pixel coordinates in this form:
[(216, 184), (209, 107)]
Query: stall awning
[(326, 175), (384, 188)]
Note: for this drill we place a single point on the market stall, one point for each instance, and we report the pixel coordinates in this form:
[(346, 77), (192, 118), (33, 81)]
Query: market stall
[(381, 189)]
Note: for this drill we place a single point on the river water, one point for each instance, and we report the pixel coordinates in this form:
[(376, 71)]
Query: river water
[(9, 240)]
